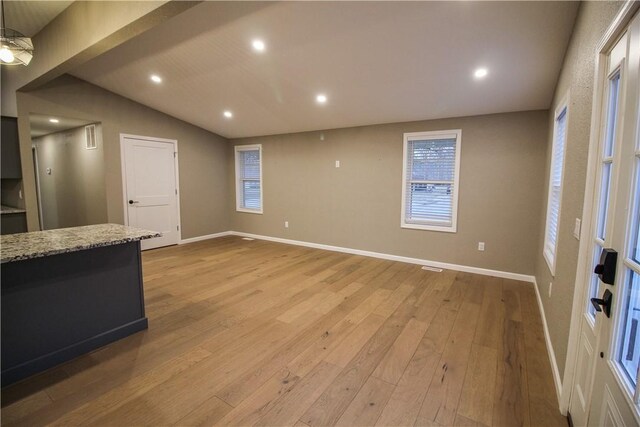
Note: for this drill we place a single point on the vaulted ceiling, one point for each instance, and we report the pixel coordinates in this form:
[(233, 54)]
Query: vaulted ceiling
[(29, 17), (377, 62)]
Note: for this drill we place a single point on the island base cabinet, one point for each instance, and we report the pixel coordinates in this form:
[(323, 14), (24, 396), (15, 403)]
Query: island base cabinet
[(58, 307)]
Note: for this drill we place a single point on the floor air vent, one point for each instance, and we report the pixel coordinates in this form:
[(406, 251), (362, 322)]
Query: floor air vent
[(436, 269)]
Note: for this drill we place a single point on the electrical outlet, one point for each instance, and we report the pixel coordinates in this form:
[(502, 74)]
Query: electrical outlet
[(337, 163), (481, 246), (286, 224), (550, 287)]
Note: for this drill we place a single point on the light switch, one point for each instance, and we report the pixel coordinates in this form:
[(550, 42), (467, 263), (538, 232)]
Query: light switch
[(337, 163), (576, 229)]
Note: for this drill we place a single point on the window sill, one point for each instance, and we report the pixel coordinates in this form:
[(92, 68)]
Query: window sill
[(431, 227), (550, 262), (252, 211)]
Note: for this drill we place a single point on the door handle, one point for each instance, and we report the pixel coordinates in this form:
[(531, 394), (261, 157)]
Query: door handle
[(606, 269), (603, 304), (131, 202)]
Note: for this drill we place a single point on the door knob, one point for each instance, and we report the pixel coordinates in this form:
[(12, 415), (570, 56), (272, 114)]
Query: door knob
[(606, 269), (131, 202), (603, 304)]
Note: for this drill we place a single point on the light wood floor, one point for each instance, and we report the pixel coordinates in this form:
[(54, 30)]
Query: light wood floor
[(259, 333)]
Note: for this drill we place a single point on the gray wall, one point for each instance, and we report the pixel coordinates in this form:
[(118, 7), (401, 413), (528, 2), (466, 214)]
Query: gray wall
[(202, 163), (358, 205), (74, 193), (577, 77)]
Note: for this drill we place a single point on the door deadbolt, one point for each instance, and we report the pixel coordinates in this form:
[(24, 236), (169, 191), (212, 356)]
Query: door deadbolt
[(606, 268)]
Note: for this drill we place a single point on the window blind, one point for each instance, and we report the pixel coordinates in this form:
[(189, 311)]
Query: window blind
[(555, 183), (430, 175)]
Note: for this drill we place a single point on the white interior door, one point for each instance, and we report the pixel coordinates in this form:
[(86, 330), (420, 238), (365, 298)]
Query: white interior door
[(605, 387), (151, 190)]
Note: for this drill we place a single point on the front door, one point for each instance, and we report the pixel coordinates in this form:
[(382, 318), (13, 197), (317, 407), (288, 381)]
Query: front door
[(151, 198), (605, 389)]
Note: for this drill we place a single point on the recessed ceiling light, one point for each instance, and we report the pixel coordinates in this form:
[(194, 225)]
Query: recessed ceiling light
[(321, 98), (258, 45), (480, 73), (54, 120), (156, 78), (228, 114)]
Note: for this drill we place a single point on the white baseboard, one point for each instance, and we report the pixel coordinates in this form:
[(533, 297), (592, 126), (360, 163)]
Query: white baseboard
[(409, 260), (205, 237), (552, 355), (444, 265)]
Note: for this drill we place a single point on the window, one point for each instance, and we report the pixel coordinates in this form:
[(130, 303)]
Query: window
[(628, 338), (249, 178), (430, 180), (629, 333), (604, 188), (555, 186)]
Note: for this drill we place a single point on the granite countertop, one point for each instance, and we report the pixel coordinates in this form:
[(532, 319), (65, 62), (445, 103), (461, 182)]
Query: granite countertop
[(16, 247), (10, 210)]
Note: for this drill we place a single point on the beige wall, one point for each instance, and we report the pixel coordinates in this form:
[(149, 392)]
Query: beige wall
[(74, 193), (577, 78), (203, 187), (358, 205)]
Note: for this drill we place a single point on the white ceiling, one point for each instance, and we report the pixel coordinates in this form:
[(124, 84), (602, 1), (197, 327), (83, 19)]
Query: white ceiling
[(40, 124), (29, 17), (378, 62)]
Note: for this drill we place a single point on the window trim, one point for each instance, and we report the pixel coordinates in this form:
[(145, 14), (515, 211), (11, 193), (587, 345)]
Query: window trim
[(237, 150), (409, 136), (551, 258)]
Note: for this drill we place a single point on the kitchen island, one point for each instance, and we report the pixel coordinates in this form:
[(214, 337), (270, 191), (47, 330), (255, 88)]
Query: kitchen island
[(67, 292)]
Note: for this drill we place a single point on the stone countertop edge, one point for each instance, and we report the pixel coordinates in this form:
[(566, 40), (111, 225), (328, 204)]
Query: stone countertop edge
[(4, 209), (38, 244)]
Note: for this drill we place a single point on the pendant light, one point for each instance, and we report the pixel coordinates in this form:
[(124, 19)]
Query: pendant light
[(15, 48)]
